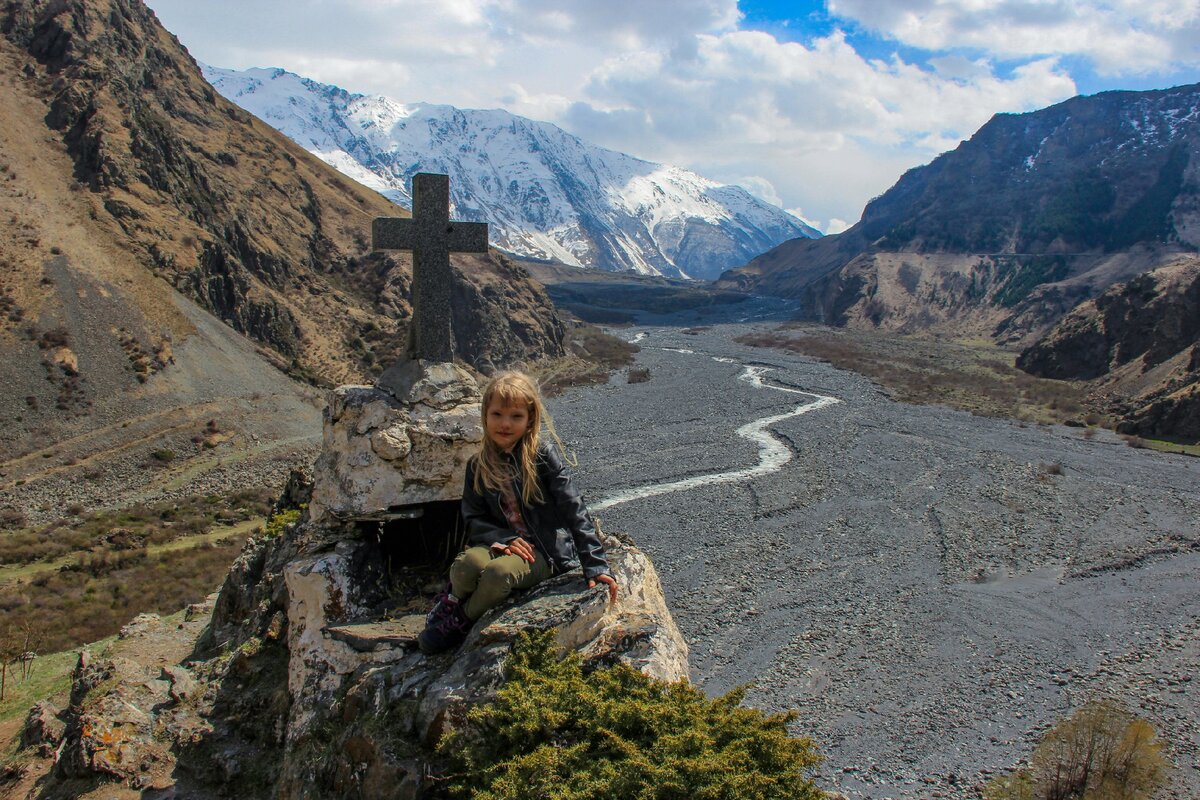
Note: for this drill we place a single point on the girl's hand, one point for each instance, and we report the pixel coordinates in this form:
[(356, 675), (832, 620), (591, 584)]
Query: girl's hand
[(522, 548), (610, 581)]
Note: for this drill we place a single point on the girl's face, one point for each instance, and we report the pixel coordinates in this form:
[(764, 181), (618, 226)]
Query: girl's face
[(506, 424)]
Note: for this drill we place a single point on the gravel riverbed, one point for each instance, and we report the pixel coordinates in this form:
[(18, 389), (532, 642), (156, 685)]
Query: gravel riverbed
[(929, 589)]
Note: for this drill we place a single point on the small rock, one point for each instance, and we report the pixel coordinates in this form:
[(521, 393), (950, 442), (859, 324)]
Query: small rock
[(42, 725)]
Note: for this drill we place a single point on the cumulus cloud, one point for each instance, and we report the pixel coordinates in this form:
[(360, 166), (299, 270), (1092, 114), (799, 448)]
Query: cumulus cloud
[(1117, 36), (681, 81), (744, 96)]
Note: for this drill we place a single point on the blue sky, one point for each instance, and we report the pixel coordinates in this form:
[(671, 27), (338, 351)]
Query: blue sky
[(816, 106)]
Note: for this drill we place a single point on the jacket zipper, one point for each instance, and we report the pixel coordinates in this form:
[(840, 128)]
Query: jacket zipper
[(518, 498)]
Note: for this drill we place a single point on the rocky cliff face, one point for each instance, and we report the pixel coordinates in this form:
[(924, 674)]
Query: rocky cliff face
[(1030, 203), (1140, 344), (1033, 215)]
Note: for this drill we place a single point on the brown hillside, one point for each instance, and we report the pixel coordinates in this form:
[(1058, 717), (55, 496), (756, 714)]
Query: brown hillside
[(1003, 236), (137, 205)]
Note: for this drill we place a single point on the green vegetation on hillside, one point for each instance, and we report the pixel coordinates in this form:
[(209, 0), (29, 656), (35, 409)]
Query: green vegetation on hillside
[(559, 733), (1149, 219), (1075, 213), (1024, 274), (80, 579)]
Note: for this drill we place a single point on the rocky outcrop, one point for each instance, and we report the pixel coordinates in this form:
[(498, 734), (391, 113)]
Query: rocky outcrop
[(306, 680), (403, 442), (313, 689), (1139, 343), (1151, 318), (1002, 236)]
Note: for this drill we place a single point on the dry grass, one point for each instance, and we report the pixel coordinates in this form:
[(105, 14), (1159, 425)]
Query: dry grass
[(975, 377), (593, 355), (95, 598), (78, 581)]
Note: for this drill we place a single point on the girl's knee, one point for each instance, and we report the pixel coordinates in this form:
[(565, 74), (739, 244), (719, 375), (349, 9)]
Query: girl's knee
[(469, 564), (497, 575)]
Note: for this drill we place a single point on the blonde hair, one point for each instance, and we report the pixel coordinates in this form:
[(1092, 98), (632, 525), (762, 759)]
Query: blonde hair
[(492, 470)]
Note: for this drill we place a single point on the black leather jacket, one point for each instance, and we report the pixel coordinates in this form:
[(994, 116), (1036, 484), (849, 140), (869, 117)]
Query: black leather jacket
[(561, 527)]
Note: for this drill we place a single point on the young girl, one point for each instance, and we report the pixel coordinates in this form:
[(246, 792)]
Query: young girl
[(525, 520)]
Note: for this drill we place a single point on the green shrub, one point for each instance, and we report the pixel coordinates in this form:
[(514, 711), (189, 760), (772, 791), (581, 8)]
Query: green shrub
[(1102, 752), (555, 732), (278, 523)]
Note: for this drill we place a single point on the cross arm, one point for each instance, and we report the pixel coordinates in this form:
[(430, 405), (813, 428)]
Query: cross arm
[(392, 233), (467, 237)]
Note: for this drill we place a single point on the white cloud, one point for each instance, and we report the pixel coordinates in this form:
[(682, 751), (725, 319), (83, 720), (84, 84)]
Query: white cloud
[(744, 103), (625, 24), (821, 126), (1118, 36), (761, 188), (836, 226)]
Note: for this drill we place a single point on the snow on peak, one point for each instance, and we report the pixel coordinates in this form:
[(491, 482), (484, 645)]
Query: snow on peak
[(545, 193)]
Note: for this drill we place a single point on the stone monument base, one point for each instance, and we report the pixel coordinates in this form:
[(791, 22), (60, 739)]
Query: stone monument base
[(398, 444)]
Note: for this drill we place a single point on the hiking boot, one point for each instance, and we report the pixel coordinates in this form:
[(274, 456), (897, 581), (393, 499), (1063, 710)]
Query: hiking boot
[(442, 602), (445, 628)]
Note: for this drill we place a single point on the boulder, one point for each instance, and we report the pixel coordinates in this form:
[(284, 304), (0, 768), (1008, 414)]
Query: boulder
[(342, 702)]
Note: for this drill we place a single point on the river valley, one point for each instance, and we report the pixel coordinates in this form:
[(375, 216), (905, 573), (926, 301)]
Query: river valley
[(929, 589)]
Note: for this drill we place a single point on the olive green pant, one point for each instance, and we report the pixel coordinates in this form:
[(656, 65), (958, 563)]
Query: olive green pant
[(484, 578)]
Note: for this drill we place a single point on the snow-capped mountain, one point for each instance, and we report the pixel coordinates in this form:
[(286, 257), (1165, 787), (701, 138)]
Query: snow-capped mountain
[(546, 194)]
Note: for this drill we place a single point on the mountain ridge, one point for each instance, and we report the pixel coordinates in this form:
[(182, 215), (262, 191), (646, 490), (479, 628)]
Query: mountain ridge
[(1003, 236), (547, 194)]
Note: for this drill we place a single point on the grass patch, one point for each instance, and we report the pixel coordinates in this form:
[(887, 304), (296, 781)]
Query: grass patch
[(49, 679), (1163, 446), (76, 581), (980, 378), (27, 572), (137, 526), (93, 599)]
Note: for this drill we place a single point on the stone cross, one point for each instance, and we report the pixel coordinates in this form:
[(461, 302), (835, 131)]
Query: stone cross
[(432, 236)]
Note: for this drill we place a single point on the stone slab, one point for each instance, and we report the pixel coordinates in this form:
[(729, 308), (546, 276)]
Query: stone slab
[(372, 636)]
